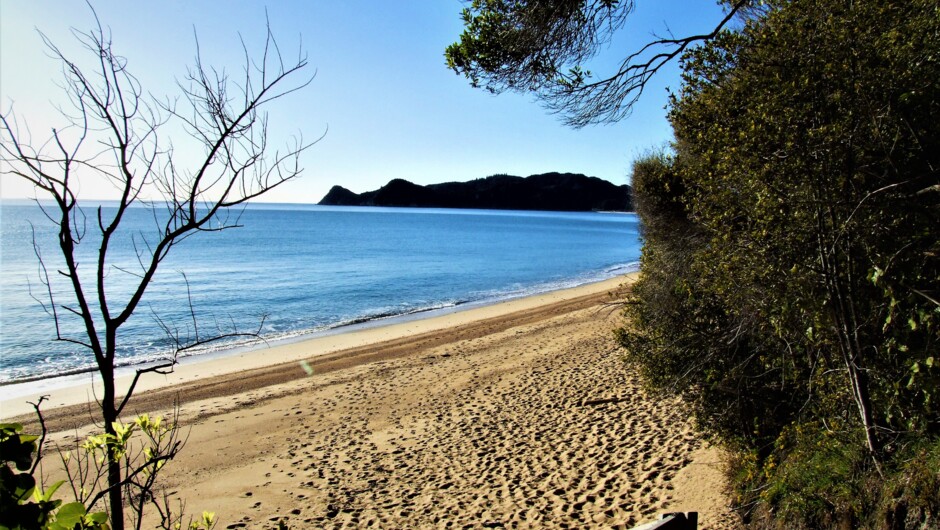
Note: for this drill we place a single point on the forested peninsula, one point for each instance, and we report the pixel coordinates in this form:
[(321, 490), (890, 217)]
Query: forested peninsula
[(547, 191)]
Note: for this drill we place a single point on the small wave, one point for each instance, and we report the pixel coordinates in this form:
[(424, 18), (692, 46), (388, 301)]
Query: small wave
[(59, 372), (563, 283), (385, 315), (145, 357), (623, 268)]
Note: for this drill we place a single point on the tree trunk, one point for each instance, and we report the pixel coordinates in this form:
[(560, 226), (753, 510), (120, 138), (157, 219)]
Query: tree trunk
[(845, 329), (109, 415)]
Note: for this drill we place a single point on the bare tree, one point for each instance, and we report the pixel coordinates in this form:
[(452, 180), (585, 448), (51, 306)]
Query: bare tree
[(113, 131)]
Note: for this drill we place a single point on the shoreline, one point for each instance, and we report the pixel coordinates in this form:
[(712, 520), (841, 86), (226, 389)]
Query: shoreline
[(520, 414), (77, 375), (75, 390)]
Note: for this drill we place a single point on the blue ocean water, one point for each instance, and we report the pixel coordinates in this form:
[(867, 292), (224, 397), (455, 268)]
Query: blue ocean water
[(294, 270)]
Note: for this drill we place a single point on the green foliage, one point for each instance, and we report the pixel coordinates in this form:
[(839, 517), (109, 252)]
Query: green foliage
[(913, 492), (17, 485), (73, 516), (791, 266), (23, 503), (507, 44), (542, 47), (17, 448), (816, 477), (141, 447)]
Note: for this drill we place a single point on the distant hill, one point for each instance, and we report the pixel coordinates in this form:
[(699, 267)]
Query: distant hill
[(548, 191)]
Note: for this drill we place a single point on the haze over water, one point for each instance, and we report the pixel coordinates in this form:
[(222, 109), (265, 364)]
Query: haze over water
[(302, 269)]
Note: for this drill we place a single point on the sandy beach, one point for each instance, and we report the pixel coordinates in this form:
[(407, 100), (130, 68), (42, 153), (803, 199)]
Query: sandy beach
[(516, 415)]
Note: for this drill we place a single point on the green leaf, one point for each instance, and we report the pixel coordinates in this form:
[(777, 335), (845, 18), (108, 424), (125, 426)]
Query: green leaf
[(47, 496), (15, 427), (23, 486), (69, 515)]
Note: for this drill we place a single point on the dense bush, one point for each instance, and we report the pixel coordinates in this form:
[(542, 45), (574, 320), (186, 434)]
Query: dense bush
[(791, 268)]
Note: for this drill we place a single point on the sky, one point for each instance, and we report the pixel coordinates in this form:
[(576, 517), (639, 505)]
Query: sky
[(381, 95)]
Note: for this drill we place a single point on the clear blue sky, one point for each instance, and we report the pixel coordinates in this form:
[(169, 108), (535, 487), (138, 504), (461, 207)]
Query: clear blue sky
[(389, 106)]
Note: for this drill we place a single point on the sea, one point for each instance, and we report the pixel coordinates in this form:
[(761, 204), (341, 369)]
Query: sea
[(287, 272)]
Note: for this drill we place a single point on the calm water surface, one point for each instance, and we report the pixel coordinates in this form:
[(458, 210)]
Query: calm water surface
[(299, 269)]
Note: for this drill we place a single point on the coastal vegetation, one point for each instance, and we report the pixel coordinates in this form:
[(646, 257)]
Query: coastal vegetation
[(112, 130), (143, 447), (548, 191), (791, 267), (790, 286)]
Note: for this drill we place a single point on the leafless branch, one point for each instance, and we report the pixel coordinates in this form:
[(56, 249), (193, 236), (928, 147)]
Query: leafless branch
[(611, 99), (114, 132), (42, 438)]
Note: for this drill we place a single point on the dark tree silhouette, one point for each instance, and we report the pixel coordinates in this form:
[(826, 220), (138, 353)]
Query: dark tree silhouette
[(539, 46)]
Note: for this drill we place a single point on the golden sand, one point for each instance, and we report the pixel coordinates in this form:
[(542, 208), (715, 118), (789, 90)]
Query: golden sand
[(518, 415)]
